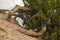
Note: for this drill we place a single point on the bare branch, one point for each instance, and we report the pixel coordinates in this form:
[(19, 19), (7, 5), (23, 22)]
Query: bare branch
[(19, 8), (32, 33)]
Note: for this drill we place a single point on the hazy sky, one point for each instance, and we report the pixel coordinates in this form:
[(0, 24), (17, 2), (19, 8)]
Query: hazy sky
[(8, 4)]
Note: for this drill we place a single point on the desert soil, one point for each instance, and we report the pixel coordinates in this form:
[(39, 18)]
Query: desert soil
[(8, 30)]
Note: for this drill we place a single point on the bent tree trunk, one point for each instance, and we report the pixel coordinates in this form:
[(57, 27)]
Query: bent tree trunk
[(22, 30), (27, 32)]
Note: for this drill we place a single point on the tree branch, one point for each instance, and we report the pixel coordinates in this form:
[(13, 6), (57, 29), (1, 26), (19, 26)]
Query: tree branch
[(19, 8), (32, 33)]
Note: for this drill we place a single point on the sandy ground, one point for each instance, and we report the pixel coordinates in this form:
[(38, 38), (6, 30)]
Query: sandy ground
[(8, 31)]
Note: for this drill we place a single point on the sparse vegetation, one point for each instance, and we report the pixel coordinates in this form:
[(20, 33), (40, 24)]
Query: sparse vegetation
[(3, 30), (43, 15)]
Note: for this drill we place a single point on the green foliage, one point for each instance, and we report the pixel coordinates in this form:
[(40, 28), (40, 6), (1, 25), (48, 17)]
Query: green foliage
[(45, 10)]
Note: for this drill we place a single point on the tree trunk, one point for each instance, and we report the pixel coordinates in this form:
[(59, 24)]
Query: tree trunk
[(11, 28)]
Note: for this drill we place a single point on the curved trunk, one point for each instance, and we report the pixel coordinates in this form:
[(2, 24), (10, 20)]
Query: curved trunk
[(27, 32)]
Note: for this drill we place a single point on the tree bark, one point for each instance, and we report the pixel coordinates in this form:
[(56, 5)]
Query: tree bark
[(27, 32), (19, 8)]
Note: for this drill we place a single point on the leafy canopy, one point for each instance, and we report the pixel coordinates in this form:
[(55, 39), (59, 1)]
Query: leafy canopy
[(45, 12)]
